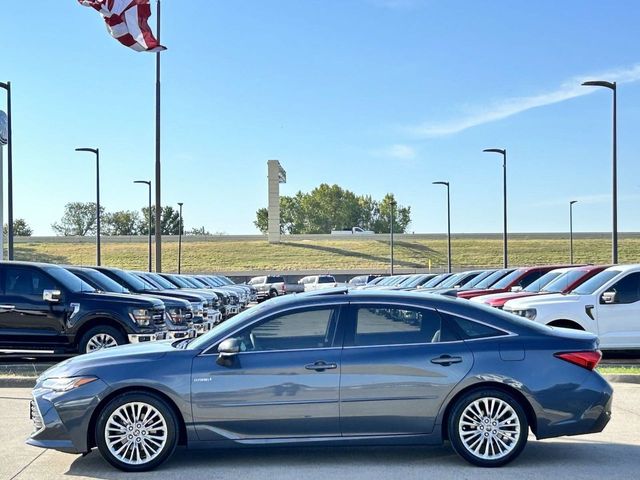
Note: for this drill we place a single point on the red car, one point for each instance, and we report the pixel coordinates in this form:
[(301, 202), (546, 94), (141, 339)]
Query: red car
[(519, 278), (562, 280)]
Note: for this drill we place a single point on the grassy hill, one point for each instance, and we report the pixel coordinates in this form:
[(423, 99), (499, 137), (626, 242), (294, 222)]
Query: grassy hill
[(326, 254)]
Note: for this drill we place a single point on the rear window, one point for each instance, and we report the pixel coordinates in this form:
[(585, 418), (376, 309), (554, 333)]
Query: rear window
[(275, 280), (470, 330), (326, 279)]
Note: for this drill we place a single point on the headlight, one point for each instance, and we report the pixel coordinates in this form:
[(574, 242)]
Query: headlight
[(198, 309), (175, 315), (66, 384), (141, 316), (528, 313)]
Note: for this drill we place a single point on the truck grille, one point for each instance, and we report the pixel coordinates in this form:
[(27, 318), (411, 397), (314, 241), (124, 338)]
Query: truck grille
[(36, 418), (157, 316)]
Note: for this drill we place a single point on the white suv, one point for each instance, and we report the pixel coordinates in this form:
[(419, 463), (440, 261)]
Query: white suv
[(318, 282), (608, 304)]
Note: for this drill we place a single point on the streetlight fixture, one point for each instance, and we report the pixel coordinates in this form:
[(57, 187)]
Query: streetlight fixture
[(96, 152), (180, 240), (614, 230), (7, 87), (446, 184), (503, 152), (571, 230), (148, 183), (392, 204)]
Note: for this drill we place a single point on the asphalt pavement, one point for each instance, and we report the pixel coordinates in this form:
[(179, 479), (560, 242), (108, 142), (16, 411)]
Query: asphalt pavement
[(612, 454)]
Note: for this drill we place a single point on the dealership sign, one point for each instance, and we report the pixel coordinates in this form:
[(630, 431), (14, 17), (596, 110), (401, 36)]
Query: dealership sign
[(4, 131)]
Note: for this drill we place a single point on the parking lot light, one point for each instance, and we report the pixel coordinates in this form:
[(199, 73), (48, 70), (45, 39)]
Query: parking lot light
[(96, 152), (503, 152), (148, 183), (7, 87), (614, 230), (571, 230), (448, 224), (180, 240), (392, 204)]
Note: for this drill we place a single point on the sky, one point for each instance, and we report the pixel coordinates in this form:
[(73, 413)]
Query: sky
[(377, 96)]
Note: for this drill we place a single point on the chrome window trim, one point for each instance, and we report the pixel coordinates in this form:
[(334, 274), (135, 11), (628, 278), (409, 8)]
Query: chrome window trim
[(205, 352)]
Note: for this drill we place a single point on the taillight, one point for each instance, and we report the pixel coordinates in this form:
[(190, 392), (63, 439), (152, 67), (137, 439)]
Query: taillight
[(588, 360)]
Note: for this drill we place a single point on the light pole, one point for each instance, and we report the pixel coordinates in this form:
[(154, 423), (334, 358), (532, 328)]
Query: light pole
[(571, 230), (96, 151), (503, 152), (148, 183), (446, 184), (158, 219), (614, 230), (7, 87), (180, 239), (393, 206)]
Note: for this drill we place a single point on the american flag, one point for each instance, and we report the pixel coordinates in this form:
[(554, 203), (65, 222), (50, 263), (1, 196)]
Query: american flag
[(127, 22)]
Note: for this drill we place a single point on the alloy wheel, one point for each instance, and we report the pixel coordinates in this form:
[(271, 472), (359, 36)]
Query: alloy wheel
[(136, 433), (101, 341), (489, 428)]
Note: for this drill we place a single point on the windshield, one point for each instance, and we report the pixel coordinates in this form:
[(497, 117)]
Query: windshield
[(451, 281), (68, 280), (595, 282), (561, 283), (537, 285), (478, 278), (509, 279), (100, 281), (493, 278), (436, 280), (159, 280), (417, 280)]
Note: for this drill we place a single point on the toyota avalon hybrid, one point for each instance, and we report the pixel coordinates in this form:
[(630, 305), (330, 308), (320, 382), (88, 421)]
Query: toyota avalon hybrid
[(330, 368)]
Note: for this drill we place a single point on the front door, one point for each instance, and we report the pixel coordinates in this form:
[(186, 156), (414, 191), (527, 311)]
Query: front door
[(26, 320), (619, 322), (398, 365), (284, 383)]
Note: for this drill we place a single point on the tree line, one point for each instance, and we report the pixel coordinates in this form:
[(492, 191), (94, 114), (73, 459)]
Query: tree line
[(330, 207), (79, 219)]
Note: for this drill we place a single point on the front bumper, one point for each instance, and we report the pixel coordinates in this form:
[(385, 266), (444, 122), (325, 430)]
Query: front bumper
[(147, 337), (202, 328)]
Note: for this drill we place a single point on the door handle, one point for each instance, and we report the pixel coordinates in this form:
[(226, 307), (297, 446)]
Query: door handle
[(321, 366), (7, 308), (446, 360)]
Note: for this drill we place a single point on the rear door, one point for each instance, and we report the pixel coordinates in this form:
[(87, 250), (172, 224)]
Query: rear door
[(399, 363)]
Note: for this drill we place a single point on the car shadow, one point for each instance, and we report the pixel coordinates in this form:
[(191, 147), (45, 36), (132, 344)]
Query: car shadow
[(540, 459)]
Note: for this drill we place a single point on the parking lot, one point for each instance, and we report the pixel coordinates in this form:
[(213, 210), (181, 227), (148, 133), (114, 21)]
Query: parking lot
[(612, 454)]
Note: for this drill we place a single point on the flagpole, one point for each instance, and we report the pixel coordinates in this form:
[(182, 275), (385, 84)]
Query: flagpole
[(158, 228)]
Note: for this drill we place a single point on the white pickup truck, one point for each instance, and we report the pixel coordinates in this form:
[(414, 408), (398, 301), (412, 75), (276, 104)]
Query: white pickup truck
[(353, 231), (608, 304)]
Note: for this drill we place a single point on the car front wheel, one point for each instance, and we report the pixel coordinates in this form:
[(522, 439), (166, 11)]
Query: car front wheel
[(99, 338), (488, 428), (136, 432)]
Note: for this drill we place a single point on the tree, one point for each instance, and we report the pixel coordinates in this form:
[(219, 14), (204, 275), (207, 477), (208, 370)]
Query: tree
[(20, 228), (169, 221), (79, 219), (198, 231), (330, 207), (123, 222)]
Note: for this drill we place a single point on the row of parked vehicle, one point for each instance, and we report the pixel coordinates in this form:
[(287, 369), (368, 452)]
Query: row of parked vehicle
[(602, 299), (54, 309)]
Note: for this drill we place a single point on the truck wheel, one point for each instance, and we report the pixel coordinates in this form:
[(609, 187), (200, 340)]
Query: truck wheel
[(273, 293), (99, 338), (136, 431), (488, 428)]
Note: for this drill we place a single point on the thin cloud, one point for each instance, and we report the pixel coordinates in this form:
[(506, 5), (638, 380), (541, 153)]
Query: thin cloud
[(512, 106), (398, 151)]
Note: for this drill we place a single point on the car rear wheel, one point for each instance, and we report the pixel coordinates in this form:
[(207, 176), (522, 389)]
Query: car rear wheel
[(99, 338), (488, 428), (136, 432)]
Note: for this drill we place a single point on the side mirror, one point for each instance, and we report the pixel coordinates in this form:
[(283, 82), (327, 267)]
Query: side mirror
[(229, 347), (608, 297), (51, 296), (516, 288)]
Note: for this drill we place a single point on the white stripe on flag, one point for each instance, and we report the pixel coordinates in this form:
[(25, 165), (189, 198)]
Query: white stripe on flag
[(131, 19)]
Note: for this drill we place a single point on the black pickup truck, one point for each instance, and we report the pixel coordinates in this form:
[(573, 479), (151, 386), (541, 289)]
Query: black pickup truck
[(46, 309)]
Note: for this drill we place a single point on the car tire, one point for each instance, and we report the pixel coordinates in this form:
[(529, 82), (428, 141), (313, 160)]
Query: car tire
[(125, 443), (273, 293), (98, 338), (473, 433)]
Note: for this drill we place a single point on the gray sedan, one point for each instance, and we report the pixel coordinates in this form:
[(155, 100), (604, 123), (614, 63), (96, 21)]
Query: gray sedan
[(335, 367)]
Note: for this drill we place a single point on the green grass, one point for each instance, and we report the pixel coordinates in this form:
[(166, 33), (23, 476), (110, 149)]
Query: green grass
[(615, 370), (327, 255)]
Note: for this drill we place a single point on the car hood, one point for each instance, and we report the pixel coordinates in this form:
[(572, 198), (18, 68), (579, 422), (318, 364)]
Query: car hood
[(87, 363), (500, 298), (477, 292), (110, 298), (543, 300)]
